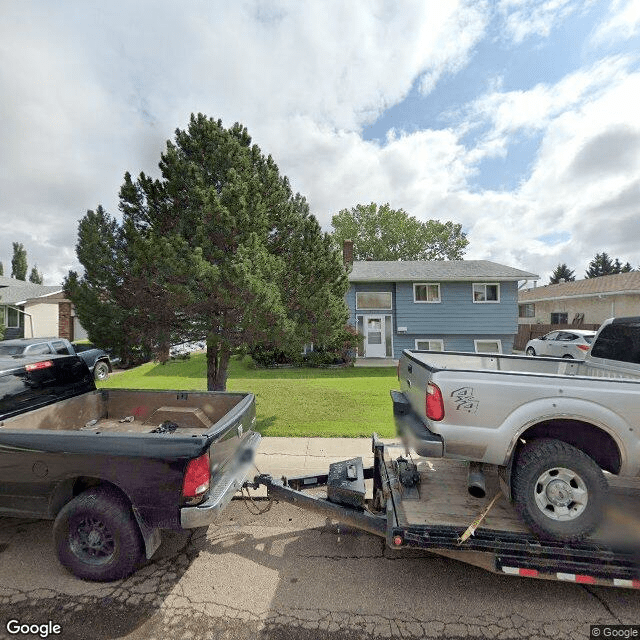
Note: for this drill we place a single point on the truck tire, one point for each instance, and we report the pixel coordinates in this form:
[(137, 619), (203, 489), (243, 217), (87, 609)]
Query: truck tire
[(101, 370), (97, 537), (558, 490)]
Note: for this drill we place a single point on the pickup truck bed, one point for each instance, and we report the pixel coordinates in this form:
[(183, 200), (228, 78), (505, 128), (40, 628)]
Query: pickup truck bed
[(126, 462)]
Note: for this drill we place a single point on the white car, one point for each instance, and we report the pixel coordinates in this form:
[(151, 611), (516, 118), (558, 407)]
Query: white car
[(573, 344)]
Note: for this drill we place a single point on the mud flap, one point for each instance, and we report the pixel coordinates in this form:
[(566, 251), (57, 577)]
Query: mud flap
[(150, 535)]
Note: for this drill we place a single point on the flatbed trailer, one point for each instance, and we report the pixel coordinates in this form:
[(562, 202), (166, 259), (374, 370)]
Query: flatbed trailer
[(426, 505)]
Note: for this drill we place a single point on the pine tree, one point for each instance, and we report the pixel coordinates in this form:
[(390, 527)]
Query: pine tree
[(603, 265), (219, 247), (562, 273), (19, 262), (35, 276)]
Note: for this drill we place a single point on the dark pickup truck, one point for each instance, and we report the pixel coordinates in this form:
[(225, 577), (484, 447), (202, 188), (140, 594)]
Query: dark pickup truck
[(98, 361), (113, 467)]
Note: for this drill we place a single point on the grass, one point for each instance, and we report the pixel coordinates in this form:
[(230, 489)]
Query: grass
[(352, 402)]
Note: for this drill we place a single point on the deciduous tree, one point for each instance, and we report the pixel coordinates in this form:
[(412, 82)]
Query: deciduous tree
[(383, 233), (35, 276), (19, 262)]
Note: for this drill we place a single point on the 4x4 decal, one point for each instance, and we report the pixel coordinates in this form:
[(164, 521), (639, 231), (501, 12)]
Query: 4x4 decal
[(464, 400)]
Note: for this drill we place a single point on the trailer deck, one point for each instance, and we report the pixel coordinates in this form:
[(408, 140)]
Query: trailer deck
[(426, 505)]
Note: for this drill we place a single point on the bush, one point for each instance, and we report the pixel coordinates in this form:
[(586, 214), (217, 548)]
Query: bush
[(270, 356)]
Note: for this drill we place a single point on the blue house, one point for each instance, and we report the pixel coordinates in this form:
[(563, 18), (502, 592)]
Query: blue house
[(447, 305)]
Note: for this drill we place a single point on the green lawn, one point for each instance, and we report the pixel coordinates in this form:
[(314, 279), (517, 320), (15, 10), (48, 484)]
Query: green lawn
[(352, 402)]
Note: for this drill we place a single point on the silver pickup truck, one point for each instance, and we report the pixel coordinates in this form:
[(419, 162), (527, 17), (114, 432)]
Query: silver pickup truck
[(550, 426)]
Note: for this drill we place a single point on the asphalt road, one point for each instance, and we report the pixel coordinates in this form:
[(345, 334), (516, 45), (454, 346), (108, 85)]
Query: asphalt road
[(289, 574)]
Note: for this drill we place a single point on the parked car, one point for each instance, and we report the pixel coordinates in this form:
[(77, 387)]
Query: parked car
[(98, 361), (570, 344), (551, 427)]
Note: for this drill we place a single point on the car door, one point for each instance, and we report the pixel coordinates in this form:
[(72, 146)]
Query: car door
[(566, 344), (549, 345)]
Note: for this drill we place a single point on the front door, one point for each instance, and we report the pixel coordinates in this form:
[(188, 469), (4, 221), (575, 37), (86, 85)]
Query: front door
[(374, 344)]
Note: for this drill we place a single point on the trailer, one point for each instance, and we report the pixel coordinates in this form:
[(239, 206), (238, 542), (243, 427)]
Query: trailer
[(425, 504)]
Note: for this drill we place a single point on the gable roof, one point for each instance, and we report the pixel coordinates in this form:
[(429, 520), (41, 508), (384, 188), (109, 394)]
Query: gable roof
[(603, 285), (14, 291), (435, 270)]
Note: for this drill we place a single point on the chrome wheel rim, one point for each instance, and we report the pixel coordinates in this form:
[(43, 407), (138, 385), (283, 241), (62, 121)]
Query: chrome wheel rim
[(561, 494)]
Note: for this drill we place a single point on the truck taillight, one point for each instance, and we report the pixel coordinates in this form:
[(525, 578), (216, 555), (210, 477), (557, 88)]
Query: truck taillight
[(435, 404), (38, 365), (197, 477)]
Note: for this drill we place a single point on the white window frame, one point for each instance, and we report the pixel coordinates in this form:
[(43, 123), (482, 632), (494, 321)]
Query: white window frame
[(429, 340), (358, 308), (485, 285), (498, 342), (426, 284)]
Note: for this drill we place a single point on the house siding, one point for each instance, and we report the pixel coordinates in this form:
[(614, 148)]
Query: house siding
[(456, 319)]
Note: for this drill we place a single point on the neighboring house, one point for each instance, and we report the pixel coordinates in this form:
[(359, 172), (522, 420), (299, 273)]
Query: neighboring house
[(589, 301), (447, 305), (34, 311)]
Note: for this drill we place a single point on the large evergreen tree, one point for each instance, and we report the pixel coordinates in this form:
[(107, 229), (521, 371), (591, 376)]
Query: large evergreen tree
[(218, 247), (383, 233), (603, 265), (562, 273), (19, 262)]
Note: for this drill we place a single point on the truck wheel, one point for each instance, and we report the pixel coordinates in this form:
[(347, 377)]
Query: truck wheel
[(558, 490), (97, 537), (101, 370)]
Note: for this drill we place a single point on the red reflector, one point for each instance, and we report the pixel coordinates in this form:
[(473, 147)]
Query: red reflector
[(584, 347), (528, 573), (435, 405), (397, 541), (196, 478), (38, 365), (585, 580)]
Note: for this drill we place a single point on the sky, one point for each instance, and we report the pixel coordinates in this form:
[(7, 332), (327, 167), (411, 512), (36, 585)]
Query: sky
[(516, 118)]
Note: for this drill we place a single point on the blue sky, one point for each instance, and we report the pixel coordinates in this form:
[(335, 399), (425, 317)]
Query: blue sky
[(516, 118)]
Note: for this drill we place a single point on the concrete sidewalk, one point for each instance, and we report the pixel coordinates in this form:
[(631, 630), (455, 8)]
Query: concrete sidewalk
[(305, 456)]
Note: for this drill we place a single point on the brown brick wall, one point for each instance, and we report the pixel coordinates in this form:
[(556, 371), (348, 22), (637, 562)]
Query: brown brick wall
[(65, 322)]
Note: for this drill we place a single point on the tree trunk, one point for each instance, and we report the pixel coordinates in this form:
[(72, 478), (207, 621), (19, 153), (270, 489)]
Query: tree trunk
[(218, 355)]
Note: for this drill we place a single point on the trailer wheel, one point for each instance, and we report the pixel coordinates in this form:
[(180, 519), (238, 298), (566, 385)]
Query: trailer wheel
[(558, 490), (97, 537)]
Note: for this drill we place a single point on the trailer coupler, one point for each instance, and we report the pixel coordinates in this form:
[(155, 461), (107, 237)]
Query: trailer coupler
[(284, 490)]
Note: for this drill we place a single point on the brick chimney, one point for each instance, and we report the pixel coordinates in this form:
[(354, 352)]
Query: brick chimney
[(347, 252)]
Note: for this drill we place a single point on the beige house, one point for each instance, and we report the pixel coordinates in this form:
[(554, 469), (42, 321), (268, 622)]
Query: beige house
[(30, 310), (589, 301)]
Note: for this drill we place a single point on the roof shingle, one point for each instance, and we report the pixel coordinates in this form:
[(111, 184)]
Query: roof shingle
[(617, 283), (438, 270)]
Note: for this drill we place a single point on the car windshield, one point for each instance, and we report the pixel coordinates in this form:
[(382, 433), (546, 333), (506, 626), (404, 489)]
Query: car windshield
[(11, 349)]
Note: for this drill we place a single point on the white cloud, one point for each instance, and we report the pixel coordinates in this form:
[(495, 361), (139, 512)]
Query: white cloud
[(622, 24), (525, 18), (91, 90)]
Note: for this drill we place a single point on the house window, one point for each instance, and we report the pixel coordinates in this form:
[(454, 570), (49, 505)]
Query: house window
[(13, 318), (559, 318), (366, 300), (527, 310), (429, 345), (426, 292), (486, 292), (488, 346)]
